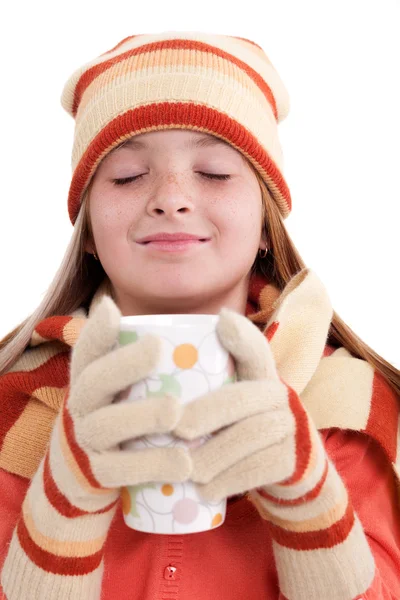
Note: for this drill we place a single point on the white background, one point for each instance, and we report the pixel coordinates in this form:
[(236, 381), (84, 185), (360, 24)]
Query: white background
[(340, 62)]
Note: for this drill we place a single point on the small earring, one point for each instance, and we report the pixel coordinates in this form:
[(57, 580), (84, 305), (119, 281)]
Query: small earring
[(265, 252), (95, 255)]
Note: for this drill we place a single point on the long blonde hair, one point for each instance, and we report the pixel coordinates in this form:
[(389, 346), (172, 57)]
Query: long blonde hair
[(79, 275)]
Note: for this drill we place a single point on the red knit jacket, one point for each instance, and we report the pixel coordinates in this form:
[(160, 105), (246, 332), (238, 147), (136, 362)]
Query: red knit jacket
[(235, 561)]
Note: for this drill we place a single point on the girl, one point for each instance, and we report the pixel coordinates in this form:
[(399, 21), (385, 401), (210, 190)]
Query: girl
[(176, 136)]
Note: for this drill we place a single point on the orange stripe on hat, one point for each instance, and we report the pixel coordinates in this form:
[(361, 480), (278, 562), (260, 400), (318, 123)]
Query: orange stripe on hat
[(188, 115), (96, 70), (223, 85)]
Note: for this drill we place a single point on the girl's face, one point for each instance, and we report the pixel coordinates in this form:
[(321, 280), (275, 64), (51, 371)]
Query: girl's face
[(178, 188)]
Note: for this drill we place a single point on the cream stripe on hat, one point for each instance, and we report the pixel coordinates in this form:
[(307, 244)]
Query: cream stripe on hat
[(218, 84)]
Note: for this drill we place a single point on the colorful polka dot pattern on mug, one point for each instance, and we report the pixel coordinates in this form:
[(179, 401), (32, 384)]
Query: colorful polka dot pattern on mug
[(193, 363)]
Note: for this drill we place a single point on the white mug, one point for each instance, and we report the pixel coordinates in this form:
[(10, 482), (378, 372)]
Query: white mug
[(193, 363)]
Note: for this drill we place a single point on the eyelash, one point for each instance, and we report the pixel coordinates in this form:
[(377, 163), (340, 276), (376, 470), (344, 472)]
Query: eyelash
[(134, 177)]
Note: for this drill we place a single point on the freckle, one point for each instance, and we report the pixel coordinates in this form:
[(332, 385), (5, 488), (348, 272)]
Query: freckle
[(171, 178)]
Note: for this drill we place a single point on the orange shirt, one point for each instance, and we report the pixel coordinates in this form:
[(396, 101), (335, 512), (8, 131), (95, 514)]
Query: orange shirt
[(235, 560)]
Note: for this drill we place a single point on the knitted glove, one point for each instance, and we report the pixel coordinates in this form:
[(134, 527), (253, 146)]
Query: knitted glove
[(265, 442), (56, 551)]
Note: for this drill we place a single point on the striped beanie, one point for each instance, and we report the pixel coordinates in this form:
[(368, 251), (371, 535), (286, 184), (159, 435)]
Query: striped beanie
[(218, 84)]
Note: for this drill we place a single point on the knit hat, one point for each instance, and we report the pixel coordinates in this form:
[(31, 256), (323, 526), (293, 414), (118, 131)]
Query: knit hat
[(218, 84)]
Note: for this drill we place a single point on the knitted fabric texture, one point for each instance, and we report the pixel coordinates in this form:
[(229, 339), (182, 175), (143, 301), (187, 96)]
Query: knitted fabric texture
[(337, 389), (355, 395), (218, 84)]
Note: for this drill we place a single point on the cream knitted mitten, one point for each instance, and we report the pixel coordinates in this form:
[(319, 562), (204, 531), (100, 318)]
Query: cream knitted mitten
[(56, 550), (266, 443)]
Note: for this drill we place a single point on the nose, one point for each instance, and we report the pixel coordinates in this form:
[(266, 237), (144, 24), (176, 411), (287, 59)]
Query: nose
[(170, 197)]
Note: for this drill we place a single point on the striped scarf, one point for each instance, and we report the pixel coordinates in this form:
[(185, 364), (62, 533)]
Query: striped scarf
[(336, 388)]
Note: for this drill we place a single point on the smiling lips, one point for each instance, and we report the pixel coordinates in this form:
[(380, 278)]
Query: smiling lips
[(170, 237), (172, 242)]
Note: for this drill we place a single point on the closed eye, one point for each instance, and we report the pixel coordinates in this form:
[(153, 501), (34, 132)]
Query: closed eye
[(126, 180), (215, 176)]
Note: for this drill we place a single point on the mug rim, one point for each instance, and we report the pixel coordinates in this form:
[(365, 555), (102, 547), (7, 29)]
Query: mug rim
[(177, 320)]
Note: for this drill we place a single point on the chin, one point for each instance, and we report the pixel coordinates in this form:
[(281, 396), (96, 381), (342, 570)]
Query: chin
[(175, 298)]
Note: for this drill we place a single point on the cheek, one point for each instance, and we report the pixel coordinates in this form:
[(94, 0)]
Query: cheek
[(110, 217), (225, 211), (240, 217), (105, 223), (110, 231)]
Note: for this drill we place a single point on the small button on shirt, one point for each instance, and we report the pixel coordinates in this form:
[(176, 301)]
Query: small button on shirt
[(170, 572)]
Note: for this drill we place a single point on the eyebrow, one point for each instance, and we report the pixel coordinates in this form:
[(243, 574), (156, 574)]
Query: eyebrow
[(194, 142)]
